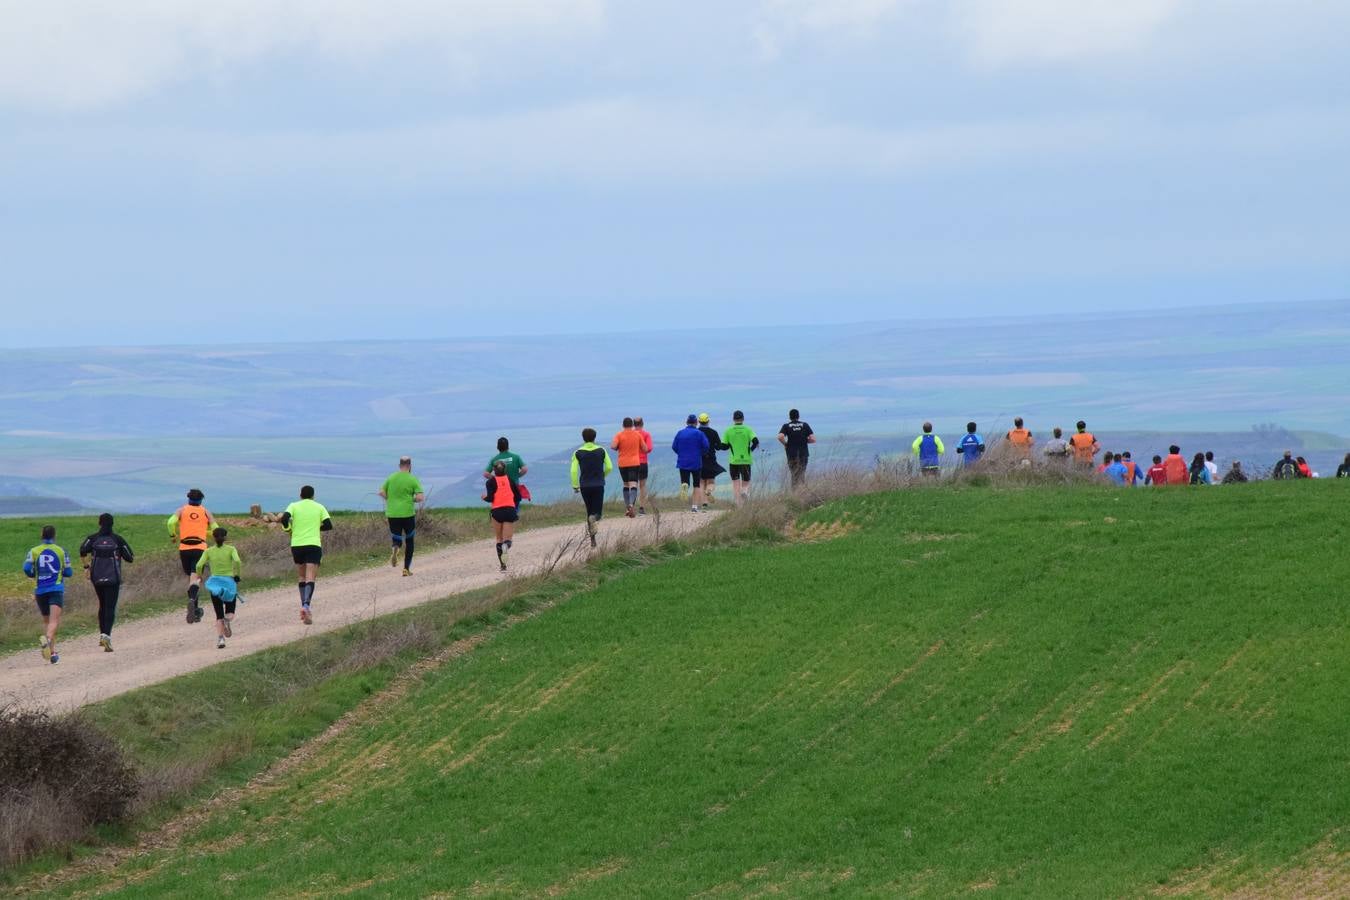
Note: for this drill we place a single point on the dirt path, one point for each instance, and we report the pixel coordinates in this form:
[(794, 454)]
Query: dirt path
[(153, 650)]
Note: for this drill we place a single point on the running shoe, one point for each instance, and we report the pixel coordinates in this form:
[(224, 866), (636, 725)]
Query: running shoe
[(505, 552), (199, 613), (407, 572), (305, 616), (503, 567), (56, 658), (630, 513), (693, 509), (46, 646), (220, 643), (393, 556), (105, 642), (229, 632), (642, 511), (191, 612)]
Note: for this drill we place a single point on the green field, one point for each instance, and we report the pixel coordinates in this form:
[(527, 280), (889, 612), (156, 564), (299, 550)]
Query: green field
[(1054, 692)]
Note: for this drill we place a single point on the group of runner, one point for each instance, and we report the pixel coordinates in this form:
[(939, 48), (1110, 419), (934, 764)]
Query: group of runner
[(208, 559)]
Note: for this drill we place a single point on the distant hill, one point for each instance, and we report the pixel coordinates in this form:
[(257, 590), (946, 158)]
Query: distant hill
[(37, 506), (136, 430)]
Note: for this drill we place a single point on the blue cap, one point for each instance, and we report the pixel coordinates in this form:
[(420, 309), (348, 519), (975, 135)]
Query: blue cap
[(691, 420)]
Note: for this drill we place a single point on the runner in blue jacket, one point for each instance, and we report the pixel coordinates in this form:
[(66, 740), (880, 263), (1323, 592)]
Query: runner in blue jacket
[(689, 445), (971, 447)]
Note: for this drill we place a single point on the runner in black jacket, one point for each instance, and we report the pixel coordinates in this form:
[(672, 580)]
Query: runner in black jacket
[(103, 553)]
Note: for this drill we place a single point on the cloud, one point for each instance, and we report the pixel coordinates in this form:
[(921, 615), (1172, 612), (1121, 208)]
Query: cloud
[(1000, 32), (71, 54), (781, 22)]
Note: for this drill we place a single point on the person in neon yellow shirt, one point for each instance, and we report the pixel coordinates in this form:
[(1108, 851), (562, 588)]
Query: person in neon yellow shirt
[(226, 568), (306, 520), (402, 492)]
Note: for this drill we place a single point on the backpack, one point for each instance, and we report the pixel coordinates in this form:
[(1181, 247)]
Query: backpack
[(106, 566)]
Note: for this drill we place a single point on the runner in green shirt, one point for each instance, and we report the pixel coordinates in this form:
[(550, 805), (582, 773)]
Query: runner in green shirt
[(402, 492), (305, 520), (226, 568), (742, 441), (515, 466)]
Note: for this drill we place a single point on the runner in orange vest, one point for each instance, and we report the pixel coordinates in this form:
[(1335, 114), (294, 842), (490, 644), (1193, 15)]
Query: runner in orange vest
[(504, 498), (1175, 467), (190, 527), (1021, 439), (1083, 445)]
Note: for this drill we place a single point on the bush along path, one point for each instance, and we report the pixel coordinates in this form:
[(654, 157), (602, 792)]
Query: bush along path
[(159, 648)]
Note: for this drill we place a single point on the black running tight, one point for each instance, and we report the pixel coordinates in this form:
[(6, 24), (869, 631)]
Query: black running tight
[(107, 606)]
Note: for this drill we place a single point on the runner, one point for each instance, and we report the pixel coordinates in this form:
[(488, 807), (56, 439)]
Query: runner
[(1133, 472), (796, 437), (1212, 466), (515, 466), (1116, 471), (642, 464), (742, 441), (711, 467), (1021, 440), (1343, 470), (630, 444), (108, 551), (1178, 473), (1286, 468), (1084, 445), (223, 562), (689, 446), (306, 519), (971, 447), (503, 498), (1157, 473), (1057, 449), (928, 449), (189, 527), (49, 567), (590, 465), (401, 493), (1199, 472), (1235, 475)]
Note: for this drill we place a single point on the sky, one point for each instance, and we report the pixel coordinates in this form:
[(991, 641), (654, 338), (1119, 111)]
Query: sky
[(260, 170)]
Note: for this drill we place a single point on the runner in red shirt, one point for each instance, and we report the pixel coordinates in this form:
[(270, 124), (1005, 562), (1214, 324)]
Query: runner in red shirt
[(642, 463)]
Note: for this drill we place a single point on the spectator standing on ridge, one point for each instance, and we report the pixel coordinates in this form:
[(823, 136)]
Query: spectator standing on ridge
[(796, 437), (742, 441), (1343, 470), (1178, 473), (1020, 439), (306, 520), (689, 445), (515, 465), (1057, 449), (1286, 468), (1157, 473), (590, 465), (401, 493), (642, 464), (630, 444), (223, 586), (1199, 472), (1235, 475), (503, 498), (971, 447), (190, 527), (1212, 466), (106, 550), (711, 467), (928, 449), (48, 565), (1084, 445)]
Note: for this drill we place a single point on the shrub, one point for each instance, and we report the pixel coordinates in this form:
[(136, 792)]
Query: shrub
[(58, 777)]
